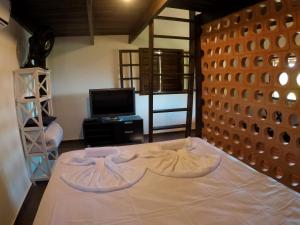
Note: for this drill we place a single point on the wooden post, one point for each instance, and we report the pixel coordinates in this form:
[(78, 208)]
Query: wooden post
[(151, 44)]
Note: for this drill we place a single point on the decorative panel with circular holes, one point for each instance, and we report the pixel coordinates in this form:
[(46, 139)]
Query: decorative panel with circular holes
[(251, 89)]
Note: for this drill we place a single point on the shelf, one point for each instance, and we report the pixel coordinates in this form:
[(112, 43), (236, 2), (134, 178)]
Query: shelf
[(26, 71), (29, 100)]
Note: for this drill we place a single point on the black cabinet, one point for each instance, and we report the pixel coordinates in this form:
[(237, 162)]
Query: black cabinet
[(110, 131)]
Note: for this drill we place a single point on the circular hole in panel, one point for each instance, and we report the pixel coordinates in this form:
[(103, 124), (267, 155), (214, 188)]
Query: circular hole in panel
[(233, 34), (240, 154), (208, 128), (218, 77), (294, 120), (269, 132), (209, 103), (223, 64), (283, 78), (217, 131), (227, 49), (298, 79), (251, 160), (219, 144), (245, 94), (227, 107), (205, 115), (291, 159), (263, 9), (291, 98), (221, 119), (218, 26), (218, 50), (249, 111), (260, 147), (258, 95), (205, 65), (205, 91), (233, 63), (266, 78), (259, 61), (226, 22), (238, 77), (281, 41), (227, 77), (249, 14), (237, 108), (291, 60), (274, 97), (214, 91), (213, 116), (214, 64), (236, 19), (243, 125), (285, 138), (238, 48), (233, 92), (225, 134), (209, 29), (257, 28), (272, 24), (223, 91), (277, 117), (231, 122), (223, 36), (245, 62), (228, 149), (274, 60), (264, 166), (236, 139), (289, 20), (262, 114), (251, 78), (265, 43), (251, 45), (297, 38), (275, 152), (278, 173), (278, 5), (255, 129), (210, 77), (218, 104), (210, 52), (244, 31), (295, 180)]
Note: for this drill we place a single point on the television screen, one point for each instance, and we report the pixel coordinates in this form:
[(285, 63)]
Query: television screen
[(112, 102)]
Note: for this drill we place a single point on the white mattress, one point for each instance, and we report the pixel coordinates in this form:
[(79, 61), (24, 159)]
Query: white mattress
[(232, 194)]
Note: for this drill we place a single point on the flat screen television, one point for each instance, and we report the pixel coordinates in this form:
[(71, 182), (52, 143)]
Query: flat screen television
[(112, 102)]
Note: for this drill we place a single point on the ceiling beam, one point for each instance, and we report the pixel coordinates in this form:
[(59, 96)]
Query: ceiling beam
[(155, 7), (89, 7)]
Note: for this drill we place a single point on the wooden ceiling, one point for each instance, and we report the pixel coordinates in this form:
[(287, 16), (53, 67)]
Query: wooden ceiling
[(109, 17)]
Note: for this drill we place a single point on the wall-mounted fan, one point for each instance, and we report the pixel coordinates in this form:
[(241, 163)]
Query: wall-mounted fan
[(40, 46)]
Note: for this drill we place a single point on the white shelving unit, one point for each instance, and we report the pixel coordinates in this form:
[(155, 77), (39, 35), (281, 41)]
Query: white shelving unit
[(33, 103)]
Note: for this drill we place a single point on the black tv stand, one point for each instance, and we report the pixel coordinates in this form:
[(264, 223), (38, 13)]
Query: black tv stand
[(113, 130)]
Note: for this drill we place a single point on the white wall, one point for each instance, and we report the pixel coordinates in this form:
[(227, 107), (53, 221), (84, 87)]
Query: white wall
[(77, 67), (14, 182)]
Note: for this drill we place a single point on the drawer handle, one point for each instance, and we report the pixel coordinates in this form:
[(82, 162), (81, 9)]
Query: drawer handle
[(128, 122), (128, 132)]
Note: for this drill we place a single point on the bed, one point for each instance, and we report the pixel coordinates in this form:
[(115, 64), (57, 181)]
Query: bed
[(231, 194)]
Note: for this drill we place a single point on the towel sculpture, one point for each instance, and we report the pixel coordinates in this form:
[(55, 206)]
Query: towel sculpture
[(107, 169)]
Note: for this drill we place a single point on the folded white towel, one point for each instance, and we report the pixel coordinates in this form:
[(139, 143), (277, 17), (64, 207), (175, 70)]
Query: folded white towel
[(177, 144), (104, 176), (100, 152)]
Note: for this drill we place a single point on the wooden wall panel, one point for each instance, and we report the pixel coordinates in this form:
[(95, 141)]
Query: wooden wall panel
[(251, 89)]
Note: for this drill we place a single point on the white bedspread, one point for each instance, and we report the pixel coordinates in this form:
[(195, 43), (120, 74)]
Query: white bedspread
[(232, 194)]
